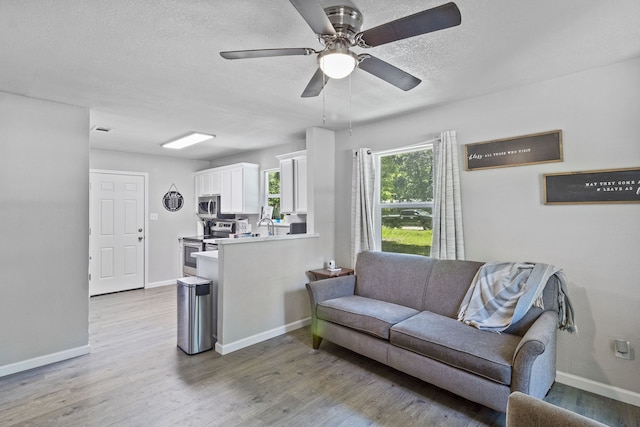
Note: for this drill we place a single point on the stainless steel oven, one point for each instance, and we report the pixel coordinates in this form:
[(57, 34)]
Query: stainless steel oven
[(219, 229), (190, 246)]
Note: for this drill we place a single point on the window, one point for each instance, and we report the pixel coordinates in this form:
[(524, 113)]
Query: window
[(405, 200), (272, 190)]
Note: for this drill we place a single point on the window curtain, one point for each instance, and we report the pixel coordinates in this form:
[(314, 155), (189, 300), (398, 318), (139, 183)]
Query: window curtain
[(362, 197), (448, 238)]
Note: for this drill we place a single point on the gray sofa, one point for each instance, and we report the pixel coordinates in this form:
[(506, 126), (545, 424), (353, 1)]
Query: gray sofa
[(401, 310)]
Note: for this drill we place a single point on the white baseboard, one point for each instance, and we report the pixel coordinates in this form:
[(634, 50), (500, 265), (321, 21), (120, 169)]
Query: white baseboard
[(47, 359), (161, 283), (606, 390), (263, 336)]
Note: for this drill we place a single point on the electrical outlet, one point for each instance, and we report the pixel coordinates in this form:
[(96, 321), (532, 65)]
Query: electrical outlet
[(622, 349), (153, 216)]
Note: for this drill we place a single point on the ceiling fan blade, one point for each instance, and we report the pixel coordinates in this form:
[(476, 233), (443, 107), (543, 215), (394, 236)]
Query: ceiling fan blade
[(437, 18), (316, 84), (265, 53), (388, 72), (314, 14)]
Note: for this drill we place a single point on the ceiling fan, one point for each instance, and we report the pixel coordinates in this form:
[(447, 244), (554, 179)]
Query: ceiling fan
[(338, 29)]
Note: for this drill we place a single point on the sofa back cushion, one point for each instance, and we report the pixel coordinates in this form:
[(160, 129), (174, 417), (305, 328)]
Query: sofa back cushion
[(450, 281), (448, 284), (396, 278)]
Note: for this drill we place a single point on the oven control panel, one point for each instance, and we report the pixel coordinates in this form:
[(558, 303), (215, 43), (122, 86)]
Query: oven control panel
[(224, 226)]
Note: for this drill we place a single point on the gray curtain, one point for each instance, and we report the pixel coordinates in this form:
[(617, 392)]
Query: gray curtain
[(362, 197), (448, 237)]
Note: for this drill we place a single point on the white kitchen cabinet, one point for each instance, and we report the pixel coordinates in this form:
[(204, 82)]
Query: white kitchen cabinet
[(286, 186), (300, 184), (202, 184), (225, 192), (293, 182), (214, 182), (239, 193), (207, 183), (237, 185)]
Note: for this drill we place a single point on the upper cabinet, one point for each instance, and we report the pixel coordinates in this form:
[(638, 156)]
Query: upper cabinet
[(293, 182), (238, 186), (300, 184), (207, 183), (240, 189)]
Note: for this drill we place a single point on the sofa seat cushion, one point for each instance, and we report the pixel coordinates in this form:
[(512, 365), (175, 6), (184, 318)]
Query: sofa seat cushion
[(449, 341), (364, 314)]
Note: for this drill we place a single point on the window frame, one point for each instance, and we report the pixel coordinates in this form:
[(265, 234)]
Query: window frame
[(265, 187), (377, 205)]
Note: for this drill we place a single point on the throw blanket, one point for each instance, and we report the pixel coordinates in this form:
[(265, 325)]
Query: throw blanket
[(501, 293)]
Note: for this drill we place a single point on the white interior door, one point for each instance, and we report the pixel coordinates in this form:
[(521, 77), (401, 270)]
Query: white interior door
[(116, 220)]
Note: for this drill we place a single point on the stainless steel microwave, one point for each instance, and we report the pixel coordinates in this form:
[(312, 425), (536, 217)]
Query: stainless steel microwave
[(208, 207)]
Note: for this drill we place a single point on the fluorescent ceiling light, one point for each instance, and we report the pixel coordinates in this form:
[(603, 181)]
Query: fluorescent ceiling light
[(185, 141)]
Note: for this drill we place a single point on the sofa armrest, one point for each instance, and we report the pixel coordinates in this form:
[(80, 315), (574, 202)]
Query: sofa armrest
[(333, 287), (534, 361), (326, 289)]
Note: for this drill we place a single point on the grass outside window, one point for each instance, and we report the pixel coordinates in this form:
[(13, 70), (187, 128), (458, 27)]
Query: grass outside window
[(406, 240)]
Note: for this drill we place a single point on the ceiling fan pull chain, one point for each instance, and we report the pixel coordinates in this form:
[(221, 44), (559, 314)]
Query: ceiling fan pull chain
[(324, 116), (350, 113)]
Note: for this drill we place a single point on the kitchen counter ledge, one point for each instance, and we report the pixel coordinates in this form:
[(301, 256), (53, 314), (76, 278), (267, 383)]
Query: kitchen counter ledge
[(207, 255), (241, 240)]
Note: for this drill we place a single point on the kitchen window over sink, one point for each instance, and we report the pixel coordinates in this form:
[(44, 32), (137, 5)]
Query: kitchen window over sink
[(272, 190)]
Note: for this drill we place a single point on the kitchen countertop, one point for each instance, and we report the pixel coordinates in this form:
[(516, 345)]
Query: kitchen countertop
[(233, 241), (213, 255)]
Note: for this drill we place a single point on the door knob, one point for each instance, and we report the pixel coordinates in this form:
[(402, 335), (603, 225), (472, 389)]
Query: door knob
[(140, 238)]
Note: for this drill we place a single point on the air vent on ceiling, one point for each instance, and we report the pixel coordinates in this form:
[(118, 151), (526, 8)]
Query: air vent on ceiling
[(101, 129)]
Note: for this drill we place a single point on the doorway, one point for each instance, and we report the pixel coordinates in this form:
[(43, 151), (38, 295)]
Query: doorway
[(117, 231)]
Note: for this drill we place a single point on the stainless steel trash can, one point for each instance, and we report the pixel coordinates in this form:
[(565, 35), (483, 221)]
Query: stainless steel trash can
[(194, 314)]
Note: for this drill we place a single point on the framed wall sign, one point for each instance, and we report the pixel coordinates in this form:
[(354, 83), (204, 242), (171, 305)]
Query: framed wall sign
[(597, 186), (173, 200), (542, 147)]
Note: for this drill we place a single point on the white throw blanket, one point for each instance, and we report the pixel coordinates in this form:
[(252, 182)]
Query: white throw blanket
[(501, 293)]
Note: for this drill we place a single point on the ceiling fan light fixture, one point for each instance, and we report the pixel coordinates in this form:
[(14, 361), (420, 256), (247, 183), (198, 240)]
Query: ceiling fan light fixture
[(337, 63)]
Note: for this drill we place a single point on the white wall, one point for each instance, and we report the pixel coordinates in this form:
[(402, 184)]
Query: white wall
[(164, 232), (321, 189), (44, 222), (504, 215)]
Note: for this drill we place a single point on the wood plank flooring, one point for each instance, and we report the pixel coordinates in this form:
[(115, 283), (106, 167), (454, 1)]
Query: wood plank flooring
[(136, 376)]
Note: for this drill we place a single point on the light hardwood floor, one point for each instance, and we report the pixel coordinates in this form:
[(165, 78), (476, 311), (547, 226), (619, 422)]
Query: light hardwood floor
[(136, 376)]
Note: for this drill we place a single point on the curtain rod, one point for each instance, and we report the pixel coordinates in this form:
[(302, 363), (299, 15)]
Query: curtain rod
[(420, 144), (409, 147), (356, 152)]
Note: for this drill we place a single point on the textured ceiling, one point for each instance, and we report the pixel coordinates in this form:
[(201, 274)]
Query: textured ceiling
[(151, 69)]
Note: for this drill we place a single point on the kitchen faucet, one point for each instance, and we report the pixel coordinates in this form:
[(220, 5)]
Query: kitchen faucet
[(270, 226)]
